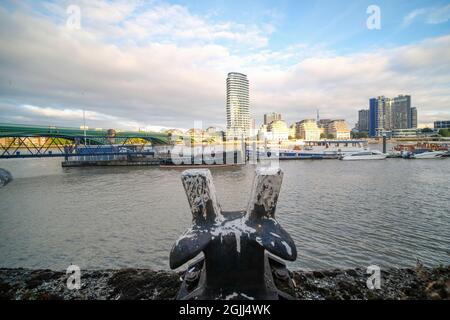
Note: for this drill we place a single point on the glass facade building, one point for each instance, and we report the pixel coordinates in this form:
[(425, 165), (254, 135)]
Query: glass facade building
[(373, 117), (273, 116), (401, 112), (363, 120), (387, 114), (413, 117), (442, 124), (238, 105)]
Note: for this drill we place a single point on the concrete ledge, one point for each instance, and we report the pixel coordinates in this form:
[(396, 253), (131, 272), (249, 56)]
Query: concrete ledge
[(132, 284)]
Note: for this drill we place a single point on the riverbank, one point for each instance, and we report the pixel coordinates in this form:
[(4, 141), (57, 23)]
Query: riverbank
[(132, 284)]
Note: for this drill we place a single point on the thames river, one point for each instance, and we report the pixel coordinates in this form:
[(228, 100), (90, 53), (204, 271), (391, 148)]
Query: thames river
[(340, 213)]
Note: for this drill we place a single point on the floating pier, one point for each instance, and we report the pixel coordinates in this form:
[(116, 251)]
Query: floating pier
[(107, 163), (113, 156)]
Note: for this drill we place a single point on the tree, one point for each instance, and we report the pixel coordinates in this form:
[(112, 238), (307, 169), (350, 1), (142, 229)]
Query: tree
[(326, 136), (427, 130), (444, 132), (359, 135)]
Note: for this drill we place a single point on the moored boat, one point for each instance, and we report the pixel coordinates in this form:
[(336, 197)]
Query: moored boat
[(314, 150), (365, 155), (423, 150), (429, 155)]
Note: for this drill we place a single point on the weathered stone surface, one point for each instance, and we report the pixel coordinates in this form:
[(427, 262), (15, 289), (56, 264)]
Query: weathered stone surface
[(418, 283), (5, 177), (126, 284), (130, 284)]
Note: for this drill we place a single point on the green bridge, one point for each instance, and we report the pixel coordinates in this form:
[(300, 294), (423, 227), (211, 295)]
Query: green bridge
[(19, 130), (16, 140)]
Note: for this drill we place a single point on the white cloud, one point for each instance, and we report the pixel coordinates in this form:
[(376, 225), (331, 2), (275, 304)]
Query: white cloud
[(175, 22), (78, 116), (107, 12), (430, 15), (74, 114), (137, 22), (58, 72)]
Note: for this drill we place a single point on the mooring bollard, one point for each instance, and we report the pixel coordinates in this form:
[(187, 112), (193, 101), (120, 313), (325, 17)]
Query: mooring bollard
[(239, 246)]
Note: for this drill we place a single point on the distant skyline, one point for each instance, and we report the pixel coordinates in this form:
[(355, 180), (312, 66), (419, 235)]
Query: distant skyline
[(159, 64)]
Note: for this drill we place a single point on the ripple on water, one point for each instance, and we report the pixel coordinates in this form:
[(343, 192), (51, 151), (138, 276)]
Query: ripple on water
[(340, 215)]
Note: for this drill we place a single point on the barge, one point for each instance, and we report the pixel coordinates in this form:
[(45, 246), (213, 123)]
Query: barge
[(132, 155)]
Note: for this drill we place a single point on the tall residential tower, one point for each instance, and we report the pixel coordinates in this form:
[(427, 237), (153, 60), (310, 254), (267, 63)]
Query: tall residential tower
[(273, 116), (363, 120), (238, 105), (387, 114)]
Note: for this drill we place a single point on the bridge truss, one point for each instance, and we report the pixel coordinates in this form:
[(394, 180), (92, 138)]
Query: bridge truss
[(40, 142)]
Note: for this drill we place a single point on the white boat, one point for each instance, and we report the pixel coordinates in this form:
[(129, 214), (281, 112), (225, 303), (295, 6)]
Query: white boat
[(428, 155), (323, 149), (365, 155)]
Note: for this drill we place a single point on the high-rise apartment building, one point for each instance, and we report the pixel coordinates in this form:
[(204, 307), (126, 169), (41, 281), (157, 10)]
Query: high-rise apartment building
[(387, 114), (413, 117), (442, 124), (363, 120), (238, 105), (401, 112), (273, 116), (388, 119), (377, 108)]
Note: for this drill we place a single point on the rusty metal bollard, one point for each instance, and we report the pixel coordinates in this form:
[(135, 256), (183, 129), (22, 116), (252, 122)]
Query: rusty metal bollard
[(239, 247)]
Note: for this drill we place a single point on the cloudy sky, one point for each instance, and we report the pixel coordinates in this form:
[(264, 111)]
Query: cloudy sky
[(156, 64)]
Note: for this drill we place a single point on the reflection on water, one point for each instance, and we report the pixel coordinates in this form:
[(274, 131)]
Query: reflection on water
[(340, 214)]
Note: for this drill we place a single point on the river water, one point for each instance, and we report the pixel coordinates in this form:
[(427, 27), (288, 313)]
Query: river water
[(340, 214)]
